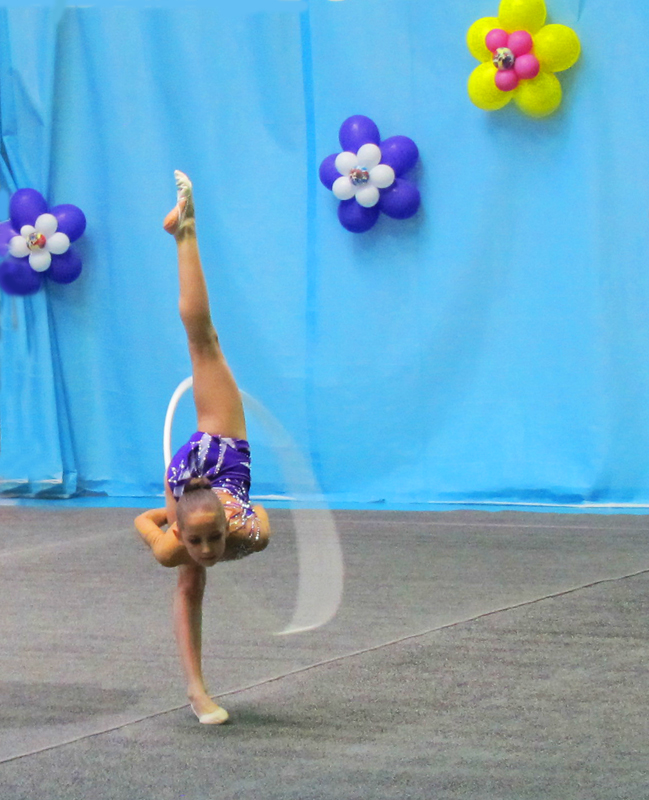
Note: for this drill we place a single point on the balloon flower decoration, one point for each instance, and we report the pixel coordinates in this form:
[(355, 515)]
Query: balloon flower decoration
[(366, 176), (37, 240), (519, 55)]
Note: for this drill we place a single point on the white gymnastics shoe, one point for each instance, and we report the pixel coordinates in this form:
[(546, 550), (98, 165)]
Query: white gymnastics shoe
[(183, 191), (216, 717), (184, 208)]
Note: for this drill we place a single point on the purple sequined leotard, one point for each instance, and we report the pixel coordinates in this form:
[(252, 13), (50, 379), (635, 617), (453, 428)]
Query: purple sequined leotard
[(225, 462)]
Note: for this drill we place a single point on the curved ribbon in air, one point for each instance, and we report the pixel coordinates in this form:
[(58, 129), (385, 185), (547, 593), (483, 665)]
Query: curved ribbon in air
[(320, 561)]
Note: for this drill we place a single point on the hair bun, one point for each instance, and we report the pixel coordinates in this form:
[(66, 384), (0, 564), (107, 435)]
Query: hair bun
[(195, 484)]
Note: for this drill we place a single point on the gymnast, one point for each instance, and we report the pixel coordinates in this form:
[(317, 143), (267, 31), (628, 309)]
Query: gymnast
[(208, 517)]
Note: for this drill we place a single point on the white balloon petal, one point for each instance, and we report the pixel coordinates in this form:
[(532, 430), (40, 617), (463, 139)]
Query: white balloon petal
[(369, 156), (18, 247), (382, 176), (345, 162), (46, 224), (368, 196), (40, 260), (58, 243), (27, 229), (343, 188)]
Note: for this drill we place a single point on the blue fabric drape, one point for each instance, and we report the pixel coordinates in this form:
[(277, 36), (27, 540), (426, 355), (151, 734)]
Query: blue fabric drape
[(490, 349), (35, 452)]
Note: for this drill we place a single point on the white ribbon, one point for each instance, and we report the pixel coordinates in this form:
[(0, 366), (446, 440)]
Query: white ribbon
[(320, 561)]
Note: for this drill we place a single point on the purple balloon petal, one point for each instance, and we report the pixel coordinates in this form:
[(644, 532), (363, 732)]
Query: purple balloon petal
[(401, 200), (24, 206), (72, 220), (328, 172), (65, 267), (357, 218), (17, 277), (6, 233), (357, 131), (400, 153)]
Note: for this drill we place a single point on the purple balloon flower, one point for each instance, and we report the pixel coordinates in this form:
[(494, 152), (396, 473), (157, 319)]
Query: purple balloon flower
[(366, 176), (36, 242)]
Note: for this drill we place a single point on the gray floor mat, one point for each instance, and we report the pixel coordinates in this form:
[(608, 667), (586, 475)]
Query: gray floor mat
[(541, 695)]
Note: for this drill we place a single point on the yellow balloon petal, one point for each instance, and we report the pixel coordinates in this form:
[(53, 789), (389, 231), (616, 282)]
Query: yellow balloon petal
[(557, 47), (522, 15), (540, 96), (475, 37), (483, 90)]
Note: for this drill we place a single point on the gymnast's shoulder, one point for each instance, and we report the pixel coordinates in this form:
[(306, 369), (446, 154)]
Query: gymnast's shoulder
[(165, 544)]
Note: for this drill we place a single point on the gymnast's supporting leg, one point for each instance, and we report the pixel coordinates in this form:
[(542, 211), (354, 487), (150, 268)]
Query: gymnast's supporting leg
[(219, 411), (188, 609)]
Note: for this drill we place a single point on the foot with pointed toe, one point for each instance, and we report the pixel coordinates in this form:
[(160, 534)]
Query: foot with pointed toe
[(208, 712), (181, 216)]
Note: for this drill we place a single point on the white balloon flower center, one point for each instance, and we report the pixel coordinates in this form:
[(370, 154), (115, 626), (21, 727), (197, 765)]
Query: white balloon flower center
[(359, 176), (35, 240)]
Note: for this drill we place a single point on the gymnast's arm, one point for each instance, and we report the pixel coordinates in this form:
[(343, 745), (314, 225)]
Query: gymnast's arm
[(166, 546)]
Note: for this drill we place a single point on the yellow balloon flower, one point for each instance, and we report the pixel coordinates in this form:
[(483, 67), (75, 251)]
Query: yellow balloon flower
[(528, 15), (476, 36), (557, 47), (519, 55)]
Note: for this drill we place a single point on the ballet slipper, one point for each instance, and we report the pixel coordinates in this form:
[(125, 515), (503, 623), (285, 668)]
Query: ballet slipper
[(216, 717), (184, 208), (183, 191)]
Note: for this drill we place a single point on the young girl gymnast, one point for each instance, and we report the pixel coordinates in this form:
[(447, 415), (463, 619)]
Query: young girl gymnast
[(208, 517)]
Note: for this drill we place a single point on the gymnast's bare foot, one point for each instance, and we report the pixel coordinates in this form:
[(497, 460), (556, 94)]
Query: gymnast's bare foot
[(180, 220), (207, 711)]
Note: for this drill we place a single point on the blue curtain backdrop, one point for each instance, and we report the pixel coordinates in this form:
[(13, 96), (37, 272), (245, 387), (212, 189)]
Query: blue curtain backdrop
[(35, 445), (492, 348)]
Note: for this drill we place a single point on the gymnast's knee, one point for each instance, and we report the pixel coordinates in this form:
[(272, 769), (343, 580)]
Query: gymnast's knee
[(198, 325)]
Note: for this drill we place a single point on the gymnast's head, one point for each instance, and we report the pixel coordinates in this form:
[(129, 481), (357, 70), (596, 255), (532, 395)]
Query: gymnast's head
[(202, 526)]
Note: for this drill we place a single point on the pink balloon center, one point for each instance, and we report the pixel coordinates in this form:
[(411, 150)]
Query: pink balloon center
[(495, 39), (520, 43), (527, 66), (506, 80)]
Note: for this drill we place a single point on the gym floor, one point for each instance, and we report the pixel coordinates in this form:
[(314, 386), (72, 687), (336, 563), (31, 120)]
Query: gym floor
[(476, 655)]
